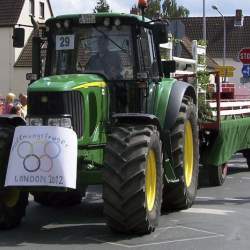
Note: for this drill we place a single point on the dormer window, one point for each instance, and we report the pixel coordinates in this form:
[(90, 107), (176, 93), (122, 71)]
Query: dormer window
[(42, 10), (32, 8)]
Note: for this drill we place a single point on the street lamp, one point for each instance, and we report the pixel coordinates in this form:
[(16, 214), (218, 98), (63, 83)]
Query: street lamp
[(204, 21), (225, 34)]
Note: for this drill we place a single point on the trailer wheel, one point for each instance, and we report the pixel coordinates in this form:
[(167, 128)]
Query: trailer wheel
[(246, 154), (13, 203), (132, 179), (217, 174), (185, 159), (58, 199)]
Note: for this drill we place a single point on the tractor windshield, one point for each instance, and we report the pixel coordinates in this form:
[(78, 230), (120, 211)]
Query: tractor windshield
[(104, 50)]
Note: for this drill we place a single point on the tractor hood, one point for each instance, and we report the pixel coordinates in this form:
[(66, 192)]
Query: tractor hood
[(66, 82)]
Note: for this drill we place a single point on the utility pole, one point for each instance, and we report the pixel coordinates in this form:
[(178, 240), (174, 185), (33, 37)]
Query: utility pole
[(204, 21)]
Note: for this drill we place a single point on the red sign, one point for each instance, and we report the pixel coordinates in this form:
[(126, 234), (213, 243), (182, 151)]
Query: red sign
[(244, 56)]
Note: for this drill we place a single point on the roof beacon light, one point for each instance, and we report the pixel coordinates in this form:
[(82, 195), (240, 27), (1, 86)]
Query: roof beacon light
[(143, 4)]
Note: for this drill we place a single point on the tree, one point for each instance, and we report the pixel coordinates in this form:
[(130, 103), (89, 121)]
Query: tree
[(171, 9), (154, 8), (101, 6)]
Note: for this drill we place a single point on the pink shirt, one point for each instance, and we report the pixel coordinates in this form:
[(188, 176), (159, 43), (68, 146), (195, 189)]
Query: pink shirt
[(7, 108)]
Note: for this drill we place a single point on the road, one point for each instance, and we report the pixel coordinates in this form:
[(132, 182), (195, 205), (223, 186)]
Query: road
[(218, 220)]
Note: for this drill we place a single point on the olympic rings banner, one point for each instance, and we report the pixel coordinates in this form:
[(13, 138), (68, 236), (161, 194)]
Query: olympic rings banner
[(43, 156)]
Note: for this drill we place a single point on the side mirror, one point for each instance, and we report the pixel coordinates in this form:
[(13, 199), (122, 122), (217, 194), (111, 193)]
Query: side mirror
[(168, 67), (160, 32), (36, 56), (18, 37)]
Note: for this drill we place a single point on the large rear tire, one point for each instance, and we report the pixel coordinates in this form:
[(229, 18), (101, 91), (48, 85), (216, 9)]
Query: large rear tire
[(185, 159), (132, 180), (13, 203)]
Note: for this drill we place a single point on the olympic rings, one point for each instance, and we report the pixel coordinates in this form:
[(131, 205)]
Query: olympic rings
[(29, 161), (22, 147), (52, 149), (33, 162)]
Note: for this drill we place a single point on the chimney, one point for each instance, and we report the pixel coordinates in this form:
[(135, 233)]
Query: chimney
[(239, 19)]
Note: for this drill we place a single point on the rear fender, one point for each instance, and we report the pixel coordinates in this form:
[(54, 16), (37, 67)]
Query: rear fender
[(178, 91)]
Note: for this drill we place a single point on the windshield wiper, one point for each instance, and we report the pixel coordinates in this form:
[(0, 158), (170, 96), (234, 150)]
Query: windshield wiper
[(112, 41)]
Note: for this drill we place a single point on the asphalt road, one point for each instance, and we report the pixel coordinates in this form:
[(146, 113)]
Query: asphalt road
[(220, 219)]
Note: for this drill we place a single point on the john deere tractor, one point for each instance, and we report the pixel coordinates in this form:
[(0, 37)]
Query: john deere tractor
[(102, 75)]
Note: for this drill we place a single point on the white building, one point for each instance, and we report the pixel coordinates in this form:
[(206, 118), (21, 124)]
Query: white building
[(14, 62)]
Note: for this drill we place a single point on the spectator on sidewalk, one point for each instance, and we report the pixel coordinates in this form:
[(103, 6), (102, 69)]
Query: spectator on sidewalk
[(23, 101), (16, 110), (9, 103)]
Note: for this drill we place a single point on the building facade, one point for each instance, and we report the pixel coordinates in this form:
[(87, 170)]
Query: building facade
[(12, 14)]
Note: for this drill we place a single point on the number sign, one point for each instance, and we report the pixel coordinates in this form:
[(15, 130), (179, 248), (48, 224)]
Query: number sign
[(65, 42)]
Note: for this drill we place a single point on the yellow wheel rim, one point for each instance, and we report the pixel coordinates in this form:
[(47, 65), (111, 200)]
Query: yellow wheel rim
[(10, 197), (188, 154), (151, 180)]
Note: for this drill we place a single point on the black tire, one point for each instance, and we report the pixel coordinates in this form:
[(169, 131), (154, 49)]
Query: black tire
[(12, 210), (217, 175), (125, 195), (58, 199), (181, 195)]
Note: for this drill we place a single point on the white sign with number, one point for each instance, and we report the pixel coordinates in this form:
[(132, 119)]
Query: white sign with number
[(65, 42), (43, 156)]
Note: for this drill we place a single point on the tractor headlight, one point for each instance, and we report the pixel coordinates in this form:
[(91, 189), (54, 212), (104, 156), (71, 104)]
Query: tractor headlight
[(65, 122), (34, 121), (54, 122), (60, 122)]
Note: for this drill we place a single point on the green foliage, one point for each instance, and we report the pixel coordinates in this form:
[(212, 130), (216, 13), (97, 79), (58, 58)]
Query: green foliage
[(171, 9), (203, 108), (101, 6), (153, 9), (202, 42)]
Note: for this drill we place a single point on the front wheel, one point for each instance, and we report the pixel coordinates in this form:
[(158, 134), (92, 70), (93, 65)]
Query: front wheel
[(13, 204), (132, 180)]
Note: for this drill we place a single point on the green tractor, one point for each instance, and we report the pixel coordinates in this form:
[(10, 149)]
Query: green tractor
[(102, 75)]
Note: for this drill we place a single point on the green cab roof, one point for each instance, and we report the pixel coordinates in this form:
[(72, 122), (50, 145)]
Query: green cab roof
[(103, 14)]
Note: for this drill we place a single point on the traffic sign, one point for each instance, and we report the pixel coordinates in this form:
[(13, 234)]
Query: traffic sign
[(244, 56), (246, 70), (226, 71)]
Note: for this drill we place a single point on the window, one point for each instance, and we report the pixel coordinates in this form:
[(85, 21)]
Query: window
[(41, 10), (32, 8), (146, 51)]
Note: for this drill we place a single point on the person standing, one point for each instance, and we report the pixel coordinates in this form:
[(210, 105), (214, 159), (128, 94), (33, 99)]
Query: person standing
[(9, 103), (23, 101)]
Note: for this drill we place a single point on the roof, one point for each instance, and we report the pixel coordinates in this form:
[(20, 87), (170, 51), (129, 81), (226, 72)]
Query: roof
[(10, 11), (187, 53), (236, 39), (101, 14)]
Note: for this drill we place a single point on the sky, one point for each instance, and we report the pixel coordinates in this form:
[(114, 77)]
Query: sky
[(227, 7)]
